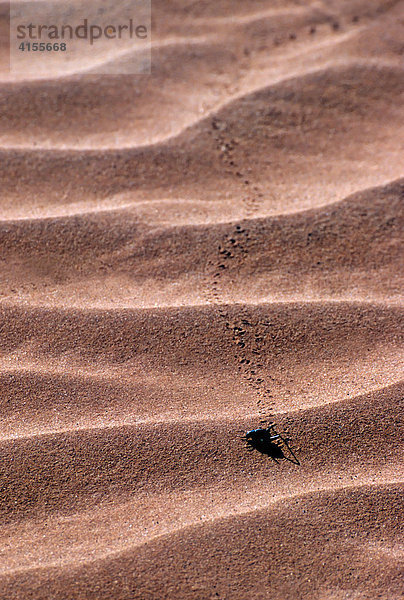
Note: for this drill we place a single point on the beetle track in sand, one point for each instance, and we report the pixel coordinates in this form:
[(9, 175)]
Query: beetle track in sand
[(235, 247)]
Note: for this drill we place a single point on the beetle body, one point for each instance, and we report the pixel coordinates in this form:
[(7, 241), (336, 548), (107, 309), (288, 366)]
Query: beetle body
[(267, 441)]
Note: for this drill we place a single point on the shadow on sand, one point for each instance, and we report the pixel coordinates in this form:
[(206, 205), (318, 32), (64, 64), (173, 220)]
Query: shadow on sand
[(268, 441)]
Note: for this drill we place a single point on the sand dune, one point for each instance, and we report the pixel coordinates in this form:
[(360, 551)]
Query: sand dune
[(322, 253), (183, 257), (252, 565), (292, 126), (142, 460), (223, 57), (138, 362)]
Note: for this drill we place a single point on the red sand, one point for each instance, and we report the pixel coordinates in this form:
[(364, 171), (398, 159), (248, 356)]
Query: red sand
[(183, 255)]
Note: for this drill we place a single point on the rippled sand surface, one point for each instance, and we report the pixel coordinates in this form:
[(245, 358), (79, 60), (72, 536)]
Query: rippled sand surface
[(184, 255)]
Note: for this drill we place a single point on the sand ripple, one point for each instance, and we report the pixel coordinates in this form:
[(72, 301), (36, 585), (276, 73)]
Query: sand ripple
[(183, 256)]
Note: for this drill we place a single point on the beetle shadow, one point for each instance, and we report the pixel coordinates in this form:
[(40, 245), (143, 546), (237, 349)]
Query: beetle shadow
[(263, 442)]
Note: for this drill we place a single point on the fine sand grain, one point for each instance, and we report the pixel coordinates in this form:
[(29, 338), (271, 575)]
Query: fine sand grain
[(187, 254)]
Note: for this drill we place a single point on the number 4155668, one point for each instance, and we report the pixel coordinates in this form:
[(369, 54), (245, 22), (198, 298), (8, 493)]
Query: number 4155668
[(42, 47)]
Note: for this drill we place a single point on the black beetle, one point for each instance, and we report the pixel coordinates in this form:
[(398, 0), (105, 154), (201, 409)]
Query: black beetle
[(268, 441)]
